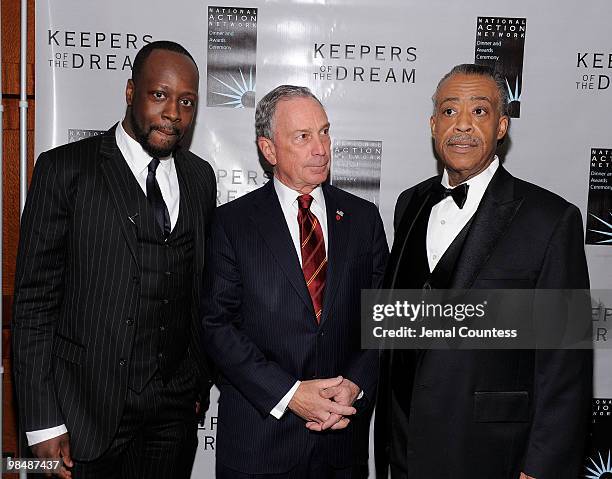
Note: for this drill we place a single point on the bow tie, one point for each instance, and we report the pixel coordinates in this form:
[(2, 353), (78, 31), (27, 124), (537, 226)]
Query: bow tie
[(459, 193)]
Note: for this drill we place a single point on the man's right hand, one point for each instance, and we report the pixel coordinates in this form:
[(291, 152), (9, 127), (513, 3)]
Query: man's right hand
[(56, 448), (310, 406)]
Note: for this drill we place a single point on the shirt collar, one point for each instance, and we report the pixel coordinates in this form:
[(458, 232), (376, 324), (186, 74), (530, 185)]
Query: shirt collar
[(481, 178), (135, 155), (288, 197)]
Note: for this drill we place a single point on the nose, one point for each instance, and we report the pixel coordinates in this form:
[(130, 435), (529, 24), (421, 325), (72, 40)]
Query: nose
[(172, 111), (464, 121), (318, 145)]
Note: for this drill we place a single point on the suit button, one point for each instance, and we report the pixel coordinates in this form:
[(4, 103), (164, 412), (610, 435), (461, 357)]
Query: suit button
[(321, 334), (160, 355), (129, 321), (168, 273), (135, 279), (122, 362), (164, 301), (162, 328)]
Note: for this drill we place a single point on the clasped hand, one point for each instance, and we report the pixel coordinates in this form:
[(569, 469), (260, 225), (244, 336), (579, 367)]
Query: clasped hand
[(325, 403)]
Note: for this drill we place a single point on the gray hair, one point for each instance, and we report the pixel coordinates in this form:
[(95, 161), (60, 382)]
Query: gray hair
[(266, 108), (480, 70)]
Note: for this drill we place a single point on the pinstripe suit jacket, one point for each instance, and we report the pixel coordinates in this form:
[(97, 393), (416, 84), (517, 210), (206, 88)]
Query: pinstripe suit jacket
[(260, 327), (77, 284)]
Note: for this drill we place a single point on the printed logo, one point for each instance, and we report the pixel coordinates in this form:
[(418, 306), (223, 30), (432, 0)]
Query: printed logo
[(591, 67), (232, 56), (86, 50), (208, 426), (76, 134), (356, 167), (364, 63), (597, 467), (235, 182), (601, 316), (500, 44), (599, 208)]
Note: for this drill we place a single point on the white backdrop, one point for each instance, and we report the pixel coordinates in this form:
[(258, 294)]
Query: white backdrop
[(84, 52)]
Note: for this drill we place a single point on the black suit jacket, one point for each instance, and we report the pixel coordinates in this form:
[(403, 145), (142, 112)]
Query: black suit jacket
[(77, 284), (260, 328), (491, 414)]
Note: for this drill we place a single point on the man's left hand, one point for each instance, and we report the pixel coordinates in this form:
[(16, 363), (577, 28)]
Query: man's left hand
[(525, 476), (345, 394)]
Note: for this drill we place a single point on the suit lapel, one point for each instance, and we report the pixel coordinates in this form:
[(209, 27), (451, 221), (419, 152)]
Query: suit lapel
[(270, 221), (495, 213), (338, 239), (404, 230), (188, 200), (117, 175)]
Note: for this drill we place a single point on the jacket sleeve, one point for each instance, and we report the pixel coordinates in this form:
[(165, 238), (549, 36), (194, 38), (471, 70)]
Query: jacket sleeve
[(363, 370), (262, 381), (39, 290)]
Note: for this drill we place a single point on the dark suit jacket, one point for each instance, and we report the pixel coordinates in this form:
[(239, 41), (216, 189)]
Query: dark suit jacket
[(77, 284), (491, 414), (260, 328)]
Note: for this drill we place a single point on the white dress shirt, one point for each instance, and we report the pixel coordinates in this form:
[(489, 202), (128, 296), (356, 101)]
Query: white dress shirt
[(138, 161), (288, 200), (447, 220)]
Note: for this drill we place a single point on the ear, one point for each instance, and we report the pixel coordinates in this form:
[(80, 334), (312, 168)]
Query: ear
[(129, 92), (502, 126), (267, 149), (432, 126)]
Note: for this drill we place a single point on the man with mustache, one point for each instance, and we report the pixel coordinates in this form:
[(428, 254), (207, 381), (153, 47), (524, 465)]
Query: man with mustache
[(482, 414), (286, 266), (108, 364)]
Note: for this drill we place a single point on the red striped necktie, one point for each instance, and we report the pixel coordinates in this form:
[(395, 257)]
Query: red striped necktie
[(314, 259)]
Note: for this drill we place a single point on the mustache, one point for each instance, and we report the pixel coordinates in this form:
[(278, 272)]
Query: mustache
[(169, 129), (462, 138)]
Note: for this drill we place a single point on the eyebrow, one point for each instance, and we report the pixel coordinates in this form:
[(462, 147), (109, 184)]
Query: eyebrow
[(454, 98), (306, 130)]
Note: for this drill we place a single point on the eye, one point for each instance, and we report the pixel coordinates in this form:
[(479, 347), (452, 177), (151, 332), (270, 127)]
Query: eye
[(187, 102), (302, 136), (325, 131), (448, 111), (159, 95), (480, 111)]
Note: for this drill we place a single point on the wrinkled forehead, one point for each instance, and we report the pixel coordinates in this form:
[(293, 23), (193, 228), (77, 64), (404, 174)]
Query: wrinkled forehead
[(297, 113)]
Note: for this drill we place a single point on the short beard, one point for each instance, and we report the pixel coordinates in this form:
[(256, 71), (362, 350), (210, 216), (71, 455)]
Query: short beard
[(142, 137)]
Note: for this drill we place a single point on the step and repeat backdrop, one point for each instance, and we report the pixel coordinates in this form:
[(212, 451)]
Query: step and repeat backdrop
[(374, 65)]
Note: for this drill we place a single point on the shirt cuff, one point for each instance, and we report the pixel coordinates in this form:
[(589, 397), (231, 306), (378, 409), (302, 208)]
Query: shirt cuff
[(34, 437), (360, 395), (281, 407)]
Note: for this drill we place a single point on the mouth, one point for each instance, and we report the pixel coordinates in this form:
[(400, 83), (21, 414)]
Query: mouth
[(462, 143), (167, 132)]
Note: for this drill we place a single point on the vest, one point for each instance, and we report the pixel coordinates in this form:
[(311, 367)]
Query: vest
[(163, 322)]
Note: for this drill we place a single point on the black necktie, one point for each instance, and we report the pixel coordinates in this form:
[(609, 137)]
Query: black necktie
[(459, 193), (156, 199)]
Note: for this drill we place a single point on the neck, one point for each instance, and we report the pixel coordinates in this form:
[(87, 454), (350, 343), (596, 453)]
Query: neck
[(303, 190)]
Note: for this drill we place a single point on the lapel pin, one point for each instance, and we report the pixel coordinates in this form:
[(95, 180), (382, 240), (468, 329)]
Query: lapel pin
[(339, 215)]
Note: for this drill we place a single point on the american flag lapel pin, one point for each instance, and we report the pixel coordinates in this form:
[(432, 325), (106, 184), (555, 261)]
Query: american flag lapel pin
[(339, 215)]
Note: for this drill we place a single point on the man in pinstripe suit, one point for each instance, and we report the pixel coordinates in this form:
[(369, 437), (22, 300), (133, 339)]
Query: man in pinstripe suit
[(281, 317), (107, 367)]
